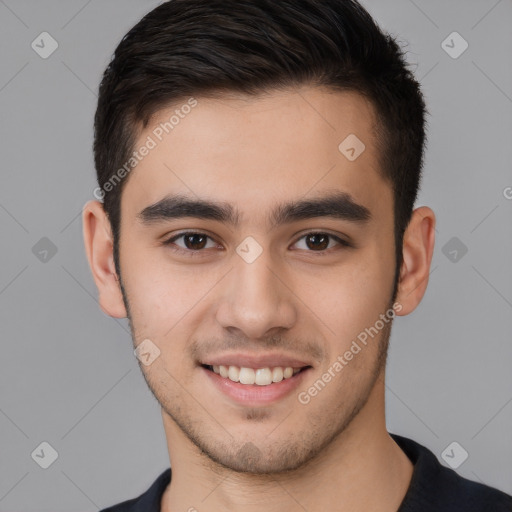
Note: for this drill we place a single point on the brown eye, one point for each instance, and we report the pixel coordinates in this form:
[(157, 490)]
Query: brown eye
[(194, 241), (319, 242), (191, 242)]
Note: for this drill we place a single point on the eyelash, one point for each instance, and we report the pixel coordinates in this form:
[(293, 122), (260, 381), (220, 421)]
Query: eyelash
[(170, 242)]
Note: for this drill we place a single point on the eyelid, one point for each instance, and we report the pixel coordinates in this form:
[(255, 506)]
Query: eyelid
[(341, 242), (339, 238), (173, 238)]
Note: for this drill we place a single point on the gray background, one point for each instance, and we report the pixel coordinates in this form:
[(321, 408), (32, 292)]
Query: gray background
[(68, 375)]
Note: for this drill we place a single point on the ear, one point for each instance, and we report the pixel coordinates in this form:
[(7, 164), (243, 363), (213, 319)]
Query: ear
[(418, 247), (99, 248)]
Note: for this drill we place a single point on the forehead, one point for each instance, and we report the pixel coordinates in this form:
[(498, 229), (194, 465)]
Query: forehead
[(256, 151)]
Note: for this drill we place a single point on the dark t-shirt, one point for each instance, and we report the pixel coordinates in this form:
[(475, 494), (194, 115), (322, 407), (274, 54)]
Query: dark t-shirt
[(433, 488)]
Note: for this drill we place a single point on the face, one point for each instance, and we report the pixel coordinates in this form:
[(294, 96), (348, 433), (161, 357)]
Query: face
[(265, 275)]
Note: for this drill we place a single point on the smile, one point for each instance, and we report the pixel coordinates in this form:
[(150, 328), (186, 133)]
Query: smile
[(258, 376)]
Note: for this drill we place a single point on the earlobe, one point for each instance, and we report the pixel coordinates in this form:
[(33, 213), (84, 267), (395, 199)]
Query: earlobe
[(418, 248), (100, 255)]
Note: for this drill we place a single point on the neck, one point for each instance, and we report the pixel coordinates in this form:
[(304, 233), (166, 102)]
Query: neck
[(361, 469)]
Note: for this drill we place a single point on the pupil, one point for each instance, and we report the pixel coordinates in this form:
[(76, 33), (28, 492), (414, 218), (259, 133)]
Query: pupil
[(323, 245), (190, 241)]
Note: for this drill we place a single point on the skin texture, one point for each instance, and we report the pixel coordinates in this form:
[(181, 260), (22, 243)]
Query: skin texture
[(256, 153)]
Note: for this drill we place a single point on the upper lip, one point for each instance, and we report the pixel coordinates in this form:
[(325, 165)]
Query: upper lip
[(256, 361)]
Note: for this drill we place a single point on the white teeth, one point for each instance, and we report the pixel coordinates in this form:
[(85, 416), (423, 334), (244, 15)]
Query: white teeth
[(277, 374), (259, 376), (247, 376), (263, 377), (234, 373)]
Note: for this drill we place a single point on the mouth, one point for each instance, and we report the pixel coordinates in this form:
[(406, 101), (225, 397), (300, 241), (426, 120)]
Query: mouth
[(265, 376), (252, 380)]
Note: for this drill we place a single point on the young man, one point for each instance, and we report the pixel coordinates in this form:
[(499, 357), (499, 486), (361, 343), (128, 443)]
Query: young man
[(258, 163)]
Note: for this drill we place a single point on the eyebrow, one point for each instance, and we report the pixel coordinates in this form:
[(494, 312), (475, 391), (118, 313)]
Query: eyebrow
[(337, 205)]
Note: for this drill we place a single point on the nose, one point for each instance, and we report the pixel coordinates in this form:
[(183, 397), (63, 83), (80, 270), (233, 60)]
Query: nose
[(256, 298)]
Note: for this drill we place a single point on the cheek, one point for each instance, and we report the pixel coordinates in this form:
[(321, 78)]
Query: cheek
[(156, 295), (163, 305), (349, 298), (164, 298)]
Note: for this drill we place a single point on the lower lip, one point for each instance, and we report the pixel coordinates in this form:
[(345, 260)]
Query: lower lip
[(253, 394)]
